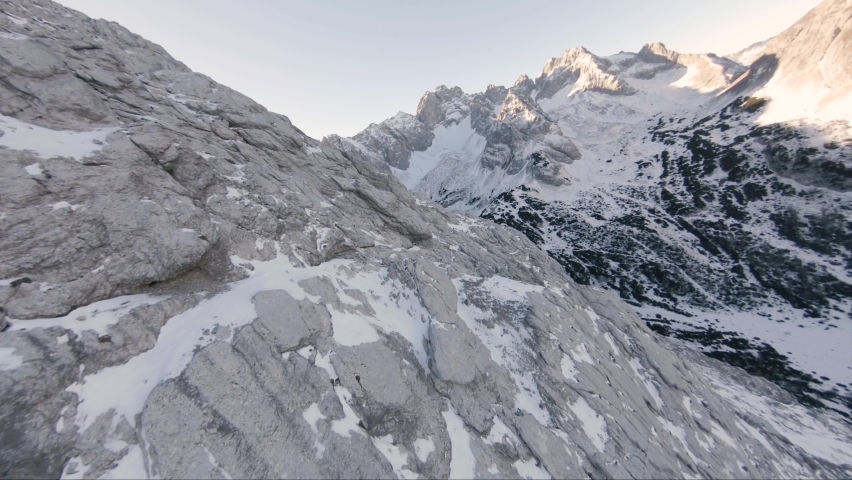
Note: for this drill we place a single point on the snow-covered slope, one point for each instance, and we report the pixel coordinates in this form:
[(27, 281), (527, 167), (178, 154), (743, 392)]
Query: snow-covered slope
[(712, 193), (748, 55), (193, 288), (813, 67)]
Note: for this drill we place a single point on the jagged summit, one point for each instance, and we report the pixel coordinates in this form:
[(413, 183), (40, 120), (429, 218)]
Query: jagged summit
[(524, 84), (652, 53), (501, 119), (580, 70), (441, 104), (705, 72)]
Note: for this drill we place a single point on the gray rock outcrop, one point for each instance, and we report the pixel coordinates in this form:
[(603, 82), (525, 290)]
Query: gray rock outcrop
[(197, 289), (811, 56), (435, 107), (396, 138)]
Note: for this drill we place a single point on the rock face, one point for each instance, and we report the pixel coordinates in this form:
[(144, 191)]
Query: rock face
[(194, 288), (706, 73), (396, 138), (710, 194), (580, 71), (501, 135), (806, 69), (442, 105)]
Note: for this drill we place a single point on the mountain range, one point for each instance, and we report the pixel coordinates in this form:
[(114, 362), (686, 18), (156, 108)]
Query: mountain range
[(191, 287), (711, 193)]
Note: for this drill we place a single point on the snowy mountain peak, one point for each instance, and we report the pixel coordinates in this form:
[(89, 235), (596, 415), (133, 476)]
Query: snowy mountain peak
[(570, 57), (579, 70), (519, 109), (656, 52), (704, 72), (441, 104), (524, 84)]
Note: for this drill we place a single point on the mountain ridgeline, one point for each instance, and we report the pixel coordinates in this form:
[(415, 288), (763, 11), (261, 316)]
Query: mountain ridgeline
[(712, 195)]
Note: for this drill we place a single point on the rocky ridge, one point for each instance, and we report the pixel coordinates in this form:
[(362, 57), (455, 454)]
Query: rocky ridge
[(194, 288)]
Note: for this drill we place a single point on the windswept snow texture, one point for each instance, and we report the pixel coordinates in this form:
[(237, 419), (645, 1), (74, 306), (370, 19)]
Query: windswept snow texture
[(712, 193)]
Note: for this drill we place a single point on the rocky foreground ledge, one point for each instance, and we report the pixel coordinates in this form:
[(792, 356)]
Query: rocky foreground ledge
[(194, 288)]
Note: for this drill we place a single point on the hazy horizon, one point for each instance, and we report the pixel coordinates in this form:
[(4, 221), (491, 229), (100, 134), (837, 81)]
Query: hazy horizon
[(336, 67)]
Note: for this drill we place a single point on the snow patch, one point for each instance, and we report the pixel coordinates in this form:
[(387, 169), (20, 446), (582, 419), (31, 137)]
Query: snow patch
[(126, 387), (47, 143), (722, 435), (349, 423), (640, 372), (569, 371), (395, 455), (95, 316), (423, 447), (312, 415), (16, 19), (509, 290), (500, 432), (611, 342), (351, 329), (8, 359), (34, 169), (687, 404), (63, 204), (581, 354), (529, 469), (594, 425), (234, 192), (312, 150), (680, 434), (462, 464), (507, 346), (324, 362), (824, 436)]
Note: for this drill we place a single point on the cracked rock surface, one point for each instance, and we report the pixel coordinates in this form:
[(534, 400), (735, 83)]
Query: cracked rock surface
[(196, 289)]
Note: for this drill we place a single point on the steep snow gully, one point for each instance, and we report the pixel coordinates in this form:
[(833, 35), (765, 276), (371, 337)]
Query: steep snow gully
[(193, 288)]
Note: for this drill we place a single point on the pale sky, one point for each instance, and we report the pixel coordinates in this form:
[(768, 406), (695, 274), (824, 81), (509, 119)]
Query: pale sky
[(337, 66)]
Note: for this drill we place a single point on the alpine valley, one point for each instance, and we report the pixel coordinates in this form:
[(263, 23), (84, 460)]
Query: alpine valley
[(509, 284), (710, 193)]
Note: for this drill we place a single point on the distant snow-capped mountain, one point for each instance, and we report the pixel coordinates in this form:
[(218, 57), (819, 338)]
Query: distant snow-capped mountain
[(712, 193)]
